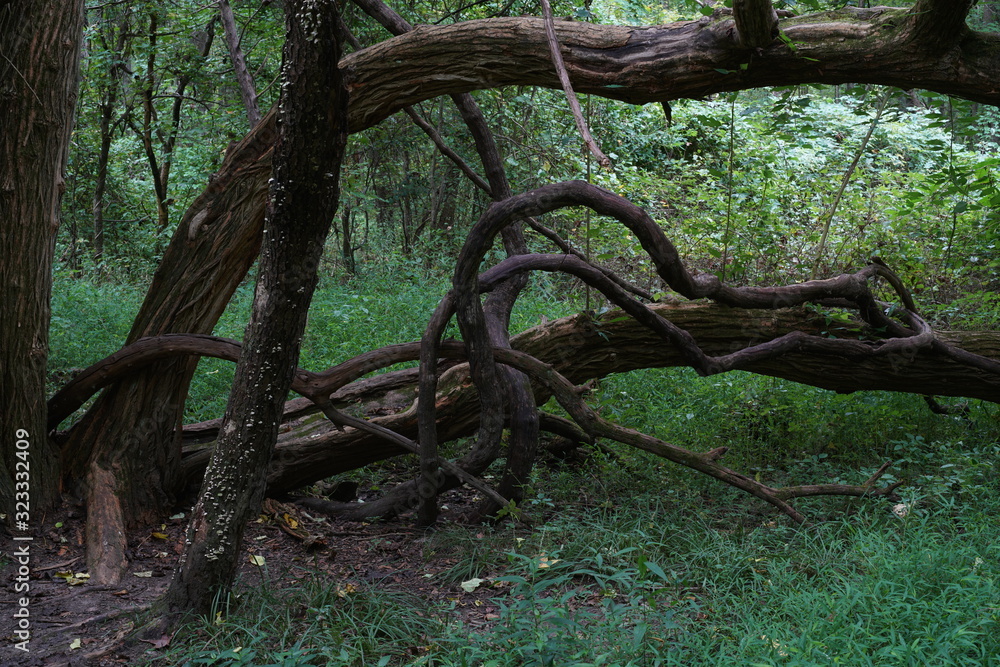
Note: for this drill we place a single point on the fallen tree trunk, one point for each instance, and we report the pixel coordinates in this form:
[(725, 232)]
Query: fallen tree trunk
[(580, 347)]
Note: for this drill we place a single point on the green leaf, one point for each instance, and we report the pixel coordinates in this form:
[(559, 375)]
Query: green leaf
[(657, 570)]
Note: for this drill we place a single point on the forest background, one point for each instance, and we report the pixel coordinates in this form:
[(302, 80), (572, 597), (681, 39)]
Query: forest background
[(759, 187)]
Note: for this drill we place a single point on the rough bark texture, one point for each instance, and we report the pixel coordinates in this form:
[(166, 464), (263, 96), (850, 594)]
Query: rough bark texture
[(312, 133), (131, 429), (582, 348), (663, 63), (756, 22), (40, 48)]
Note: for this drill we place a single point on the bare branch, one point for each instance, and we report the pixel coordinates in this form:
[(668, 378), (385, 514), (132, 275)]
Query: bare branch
[(248, 92), (574, 103), (447, 151)]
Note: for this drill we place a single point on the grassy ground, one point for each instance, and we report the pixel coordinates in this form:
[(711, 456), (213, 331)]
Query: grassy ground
[(628, 560), (662, 576)]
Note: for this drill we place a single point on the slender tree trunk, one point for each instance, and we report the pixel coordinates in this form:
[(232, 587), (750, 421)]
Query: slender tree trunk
[(312, 134), (347, 240), (248, 91), (108, 106), (40, 45)]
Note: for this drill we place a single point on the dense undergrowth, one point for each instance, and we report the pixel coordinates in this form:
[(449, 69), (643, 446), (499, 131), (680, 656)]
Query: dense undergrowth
[(631, 564)]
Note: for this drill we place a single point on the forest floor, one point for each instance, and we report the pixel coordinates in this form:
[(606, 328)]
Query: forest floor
[(76, 623)]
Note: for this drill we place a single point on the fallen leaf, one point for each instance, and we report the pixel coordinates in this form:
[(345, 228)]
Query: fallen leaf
[(471, 584), (259, 561), (544, 562), (144, 574), (158, 643), (344, 591), (75, 644), (73, 579)]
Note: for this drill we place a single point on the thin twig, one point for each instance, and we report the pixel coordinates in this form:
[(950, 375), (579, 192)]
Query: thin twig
[(574, 103), (847, 177)]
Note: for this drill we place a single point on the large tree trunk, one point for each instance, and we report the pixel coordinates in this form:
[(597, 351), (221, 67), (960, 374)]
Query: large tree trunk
[(580, 347), (219, 235), (40, 43), (303, 200)]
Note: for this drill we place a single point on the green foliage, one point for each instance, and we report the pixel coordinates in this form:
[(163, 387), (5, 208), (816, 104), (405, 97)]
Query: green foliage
[(661, 580), (317, 622)]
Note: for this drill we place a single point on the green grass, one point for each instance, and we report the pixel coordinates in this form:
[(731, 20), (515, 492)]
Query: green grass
[(628, 559), (651, 583), (312, 623), (89, 321)]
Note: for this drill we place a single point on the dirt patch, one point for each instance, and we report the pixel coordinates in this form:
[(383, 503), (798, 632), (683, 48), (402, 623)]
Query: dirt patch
[(74, 622)]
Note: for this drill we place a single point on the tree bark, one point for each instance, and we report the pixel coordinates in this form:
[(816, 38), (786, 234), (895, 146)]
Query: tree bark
[(40, 45), (131, 428), (303, 200), (664, 63), (756, 23), (579, 347)]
